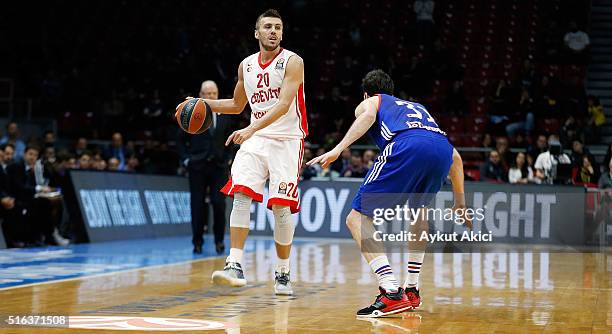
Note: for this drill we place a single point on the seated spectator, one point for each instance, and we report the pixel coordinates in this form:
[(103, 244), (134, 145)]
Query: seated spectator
[(49, 139), (492, 169), (503, 148), (12, 137), (546, 163), (605, 180), (578, 152), (85, 161), (8, 210), (343, 163), (368, 158), (113, 164), (525, 119), (356, 168), (132, 164), (521, 172), (117, 150), (541, 146), (586, 174), (80, 147), (309, 172), (41, 218)]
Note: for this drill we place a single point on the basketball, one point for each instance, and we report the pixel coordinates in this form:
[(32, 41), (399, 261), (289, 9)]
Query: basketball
[(194, 116)]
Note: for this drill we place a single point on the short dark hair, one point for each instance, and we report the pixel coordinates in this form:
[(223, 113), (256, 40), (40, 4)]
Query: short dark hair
[(267, 13), (377, 82), (32, 147)]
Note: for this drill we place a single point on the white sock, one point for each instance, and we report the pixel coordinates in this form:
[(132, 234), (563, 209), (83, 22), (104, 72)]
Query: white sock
[(380, 266), (235, 255), (415, 261), (282, 265)]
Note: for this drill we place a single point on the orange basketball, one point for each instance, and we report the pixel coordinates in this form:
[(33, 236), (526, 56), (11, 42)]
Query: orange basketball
[(194, 116)]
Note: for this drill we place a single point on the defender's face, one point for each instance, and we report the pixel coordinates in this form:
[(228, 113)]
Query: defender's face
[(269, 33)]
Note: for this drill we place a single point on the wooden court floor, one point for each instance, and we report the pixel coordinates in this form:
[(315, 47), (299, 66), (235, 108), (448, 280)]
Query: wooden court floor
[(529, 291)]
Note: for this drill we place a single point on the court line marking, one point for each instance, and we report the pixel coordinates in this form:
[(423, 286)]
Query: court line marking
[(61, 280)]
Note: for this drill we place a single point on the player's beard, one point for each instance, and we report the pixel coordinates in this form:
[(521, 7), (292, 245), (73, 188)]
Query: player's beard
[(269, 47)]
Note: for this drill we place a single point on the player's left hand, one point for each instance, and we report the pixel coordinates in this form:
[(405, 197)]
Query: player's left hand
[(325, 159), (240, 136), (460, 211)]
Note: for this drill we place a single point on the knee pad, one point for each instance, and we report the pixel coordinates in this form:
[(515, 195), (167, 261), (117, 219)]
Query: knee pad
[(283, 225), (241, 211)]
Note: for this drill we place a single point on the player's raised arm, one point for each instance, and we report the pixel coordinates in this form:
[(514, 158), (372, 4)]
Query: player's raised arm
[(366, 116), (234, 105)]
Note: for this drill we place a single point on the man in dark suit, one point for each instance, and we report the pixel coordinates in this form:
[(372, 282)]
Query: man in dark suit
[(207, 160), (38, 220), (7, 207)]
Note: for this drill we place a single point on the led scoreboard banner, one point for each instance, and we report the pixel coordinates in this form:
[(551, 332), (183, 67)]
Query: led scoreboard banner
[(116, 206)]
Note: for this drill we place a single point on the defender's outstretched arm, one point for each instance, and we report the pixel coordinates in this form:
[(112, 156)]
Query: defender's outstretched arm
[(366, 116)]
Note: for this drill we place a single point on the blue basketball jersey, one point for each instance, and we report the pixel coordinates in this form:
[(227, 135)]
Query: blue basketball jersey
[(396, 115)]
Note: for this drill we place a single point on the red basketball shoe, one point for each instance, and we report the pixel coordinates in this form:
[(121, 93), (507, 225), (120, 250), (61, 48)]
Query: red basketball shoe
[(386, 303), (413, 296)]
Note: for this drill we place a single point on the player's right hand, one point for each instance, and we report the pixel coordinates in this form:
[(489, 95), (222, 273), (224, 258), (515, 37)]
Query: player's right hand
[(325, 159)]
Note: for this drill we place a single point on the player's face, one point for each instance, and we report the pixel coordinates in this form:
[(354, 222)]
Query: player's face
[(269, 33)]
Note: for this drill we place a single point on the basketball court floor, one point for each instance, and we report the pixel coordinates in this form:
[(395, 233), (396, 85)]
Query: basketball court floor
[(149, 285)]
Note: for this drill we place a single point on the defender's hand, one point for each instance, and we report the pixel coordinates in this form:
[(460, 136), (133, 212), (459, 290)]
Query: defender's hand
[(325, 159), (459, 210), (240, 136)]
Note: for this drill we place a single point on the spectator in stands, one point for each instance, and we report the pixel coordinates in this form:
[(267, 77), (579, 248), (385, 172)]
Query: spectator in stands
[(541, 146), (608, 156), (4, 162), (113, 164), (503, 148), (80, 147), (597, 118), (342, 164), (546, 164), (25, 186), (368, 158), (456, 102), (525, 119), (49, 139), (12, 137), (132, 164), (521, 172), (85, 161), (424, 21), (605, 181), (8, 210), (578, 151), (117, 150), (9, 153), (308, 172), (586, 174), (576, 41), (546, 97), (356, 167), (492, 169)]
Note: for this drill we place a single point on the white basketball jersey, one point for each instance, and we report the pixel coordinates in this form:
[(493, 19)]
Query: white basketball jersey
[(262, 84)]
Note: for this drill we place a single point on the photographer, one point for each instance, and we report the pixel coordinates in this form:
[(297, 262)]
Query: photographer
[(547, 163)]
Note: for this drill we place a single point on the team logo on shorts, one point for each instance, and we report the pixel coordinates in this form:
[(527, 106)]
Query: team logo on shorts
[(280, 64), (282, 188)]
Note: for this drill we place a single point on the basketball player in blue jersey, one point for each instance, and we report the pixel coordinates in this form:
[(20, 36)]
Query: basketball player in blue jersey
[(415, 160)]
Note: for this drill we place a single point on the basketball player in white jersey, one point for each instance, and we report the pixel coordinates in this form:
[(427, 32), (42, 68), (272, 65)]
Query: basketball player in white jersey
[(272, 82)]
